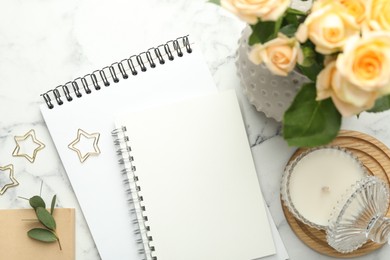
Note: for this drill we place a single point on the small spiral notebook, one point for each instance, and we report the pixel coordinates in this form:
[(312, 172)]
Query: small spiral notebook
[(166, 74), (192, 176)]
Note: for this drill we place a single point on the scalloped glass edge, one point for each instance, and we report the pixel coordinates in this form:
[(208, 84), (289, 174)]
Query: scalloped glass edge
[(284, 189), (343, 204)]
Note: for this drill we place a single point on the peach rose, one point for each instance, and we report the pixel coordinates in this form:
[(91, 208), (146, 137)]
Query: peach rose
[(356, 8), (280, 55), (366, 62), (379, 15), (328, 27), (251, 10), (359, 75), (348, 99)]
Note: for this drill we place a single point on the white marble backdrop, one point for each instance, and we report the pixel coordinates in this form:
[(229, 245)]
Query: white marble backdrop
[(44, 43)]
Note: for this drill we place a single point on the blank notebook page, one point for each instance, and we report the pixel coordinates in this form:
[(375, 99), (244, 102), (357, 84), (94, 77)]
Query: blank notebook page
[(198, 181)]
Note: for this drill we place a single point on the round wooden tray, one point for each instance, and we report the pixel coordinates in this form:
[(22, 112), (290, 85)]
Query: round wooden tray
[(375, 157)]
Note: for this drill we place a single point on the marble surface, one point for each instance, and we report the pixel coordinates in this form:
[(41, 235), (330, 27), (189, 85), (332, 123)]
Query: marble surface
[(46, 43)]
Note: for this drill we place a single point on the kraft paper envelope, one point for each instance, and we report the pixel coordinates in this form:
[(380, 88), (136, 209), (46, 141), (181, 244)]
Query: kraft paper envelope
[(16, 245)]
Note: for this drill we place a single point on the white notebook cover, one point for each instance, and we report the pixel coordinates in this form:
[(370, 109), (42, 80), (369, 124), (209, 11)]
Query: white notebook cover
[(198, 180), (97, 182)]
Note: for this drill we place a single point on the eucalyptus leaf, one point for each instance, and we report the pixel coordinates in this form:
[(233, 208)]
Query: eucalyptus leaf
[(43, 235), (308, 122), (36, 202), (53, 203), (381, 104), (46, 218)]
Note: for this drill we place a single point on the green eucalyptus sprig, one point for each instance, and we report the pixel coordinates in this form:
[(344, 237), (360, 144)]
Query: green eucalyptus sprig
[(47, 234)]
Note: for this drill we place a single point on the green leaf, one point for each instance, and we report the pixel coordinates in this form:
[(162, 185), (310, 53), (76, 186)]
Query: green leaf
[(278, 24), (309, 55), (312, 62), (36, 202), (311, 71), (381, 104), (263, 32), (295, 12), (308, 122), (290, 19), (53, 203), (217, 2), (46, 218), (43, 235), (289, 30)]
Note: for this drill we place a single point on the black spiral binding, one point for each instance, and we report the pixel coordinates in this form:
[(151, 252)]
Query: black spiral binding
[(135, 200), (112, 74)]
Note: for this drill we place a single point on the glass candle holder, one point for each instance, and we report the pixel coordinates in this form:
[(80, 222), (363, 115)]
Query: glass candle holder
[(360, 216), (316, 180)]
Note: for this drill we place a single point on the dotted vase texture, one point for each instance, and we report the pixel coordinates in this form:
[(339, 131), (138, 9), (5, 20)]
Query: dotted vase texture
[(269, 93)]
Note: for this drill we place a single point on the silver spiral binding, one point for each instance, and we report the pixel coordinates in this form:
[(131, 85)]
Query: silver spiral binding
[(135, 199), (113, 73)]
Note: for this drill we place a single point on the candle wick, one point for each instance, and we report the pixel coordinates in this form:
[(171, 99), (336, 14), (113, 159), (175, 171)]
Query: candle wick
[(325, 189)]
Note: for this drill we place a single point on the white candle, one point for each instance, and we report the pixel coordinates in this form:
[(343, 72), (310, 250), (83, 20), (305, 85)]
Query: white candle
[(320, 179)]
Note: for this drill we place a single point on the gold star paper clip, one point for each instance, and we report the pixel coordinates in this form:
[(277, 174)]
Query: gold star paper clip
[(13, 183), (96, 149), (39, 147)]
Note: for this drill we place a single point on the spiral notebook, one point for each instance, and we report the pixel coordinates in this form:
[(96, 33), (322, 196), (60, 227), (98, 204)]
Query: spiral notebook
[(193, 181), (170, 72), (166, 74)]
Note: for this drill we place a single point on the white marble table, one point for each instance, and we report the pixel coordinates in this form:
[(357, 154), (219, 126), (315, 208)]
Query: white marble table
[(47, 43)]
